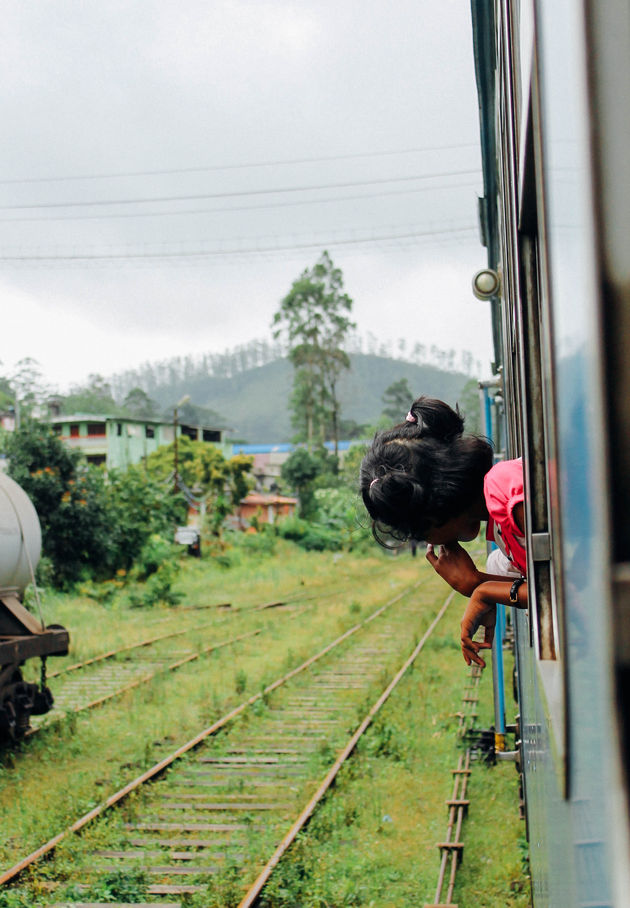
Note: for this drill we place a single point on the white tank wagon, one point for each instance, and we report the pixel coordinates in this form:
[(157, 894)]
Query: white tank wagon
[(22, 635)]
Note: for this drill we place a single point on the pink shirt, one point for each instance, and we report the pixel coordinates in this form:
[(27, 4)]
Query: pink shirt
[(503, 490)]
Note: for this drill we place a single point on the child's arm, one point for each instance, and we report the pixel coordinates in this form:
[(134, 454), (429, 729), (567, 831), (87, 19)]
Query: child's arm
[(454, 564), (481, 611)]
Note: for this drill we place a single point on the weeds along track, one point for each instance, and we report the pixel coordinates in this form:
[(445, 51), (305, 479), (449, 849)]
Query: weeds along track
[(86, 685), (225, 806)]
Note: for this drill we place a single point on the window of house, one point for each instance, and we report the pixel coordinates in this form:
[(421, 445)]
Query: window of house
[(149, 431), (74, 430)]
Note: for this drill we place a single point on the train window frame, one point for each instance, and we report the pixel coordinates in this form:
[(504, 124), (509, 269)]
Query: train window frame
[(528, 349)]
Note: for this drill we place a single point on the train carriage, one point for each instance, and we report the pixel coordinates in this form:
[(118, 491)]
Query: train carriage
[(553, 84)]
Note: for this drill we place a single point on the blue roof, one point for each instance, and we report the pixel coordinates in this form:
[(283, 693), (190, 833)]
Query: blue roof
[(286, 448)]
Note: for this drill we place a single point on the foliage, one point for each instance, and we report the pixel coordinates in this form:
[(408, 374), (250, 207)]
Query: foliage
[(310, 536), (155, 552), (470, 406), (262, 542), (140, 507), (138, 403), (350, 466), (300, 470), (158, 587), (91, 526), (129, 886), (337, 510), (202, 467), (69, 500), (93, 397), (314, 316), (16, 898), (26, 385), (397, 399)]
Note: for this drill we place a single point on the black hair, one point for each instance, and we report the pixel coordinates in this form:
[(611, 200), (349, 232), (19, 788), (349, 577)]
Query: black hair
[(421, 473)]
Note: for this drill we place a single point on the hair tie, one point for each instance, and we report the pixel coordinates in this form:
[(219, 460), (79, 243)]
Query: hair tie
[(411, 418), (373, 481)]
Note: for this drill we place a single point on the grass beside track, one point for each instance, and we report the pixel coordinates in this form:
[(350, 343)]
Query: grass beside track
[(373, 842)]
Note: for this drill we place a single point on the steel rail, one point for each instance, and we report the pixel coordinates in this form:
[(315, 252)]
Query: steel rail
[(257, 887), (125, 649), (49, 846), (50, 721), (452, 849), (110, 654), (144, 679), (151, 640)]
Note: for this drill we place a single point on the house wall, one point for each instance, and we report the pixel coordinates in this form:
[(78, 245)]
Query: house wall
[(119, 443)]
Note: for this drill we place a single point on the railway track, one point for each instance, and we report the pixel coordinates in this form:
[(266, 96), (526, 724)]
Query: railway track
[(219, 805), (106, 676)]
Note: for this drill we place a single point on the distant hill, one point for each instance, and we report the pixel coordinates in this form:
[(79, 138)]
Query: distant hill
[(254, 403)]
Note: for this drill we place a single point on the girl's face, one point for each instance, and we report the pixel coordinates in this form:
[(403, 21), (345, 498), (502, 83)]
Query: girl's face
[(463, 528)]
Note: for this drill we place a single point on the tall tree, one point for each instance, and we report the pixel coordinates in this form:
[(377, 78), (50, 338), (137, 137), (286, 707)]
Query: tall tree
[(27, 386), (93, 397), (314, 317), (397, 398), (138, 403)]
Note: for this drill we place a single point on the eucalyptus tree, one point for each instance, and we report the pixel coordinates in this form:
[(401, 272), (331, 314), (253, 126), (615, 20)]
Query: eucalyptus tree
[(314, 318)]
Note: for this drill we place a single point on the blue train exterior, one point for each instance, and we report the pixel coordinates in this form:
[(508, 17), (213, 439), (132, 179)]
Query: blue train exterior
[(553, 80)]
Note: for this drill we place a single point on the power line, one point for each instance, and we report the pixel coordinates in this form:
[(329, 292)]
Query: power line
[(227, 208), (217, 167), (239, 193), (212, 253)]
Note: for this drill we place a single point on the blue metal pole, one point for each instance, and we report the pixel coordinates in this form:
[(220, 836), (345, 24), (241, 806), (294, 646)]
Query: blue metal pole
[(498, 675), (498, 679)]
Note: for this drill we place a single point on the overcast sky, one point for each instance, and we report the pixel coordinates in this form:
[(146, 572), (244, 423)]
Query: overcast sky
[(168, 169)]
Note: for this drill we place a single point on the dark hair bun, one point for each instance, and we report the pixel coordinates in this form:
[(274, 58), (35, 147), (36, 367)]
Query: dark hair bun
[(435, 419)]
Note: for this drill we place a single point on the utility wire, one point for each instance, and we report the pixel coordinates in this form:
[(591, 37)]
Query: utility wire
[(227, 208), (217, 167), (212, 253), (239, 193)]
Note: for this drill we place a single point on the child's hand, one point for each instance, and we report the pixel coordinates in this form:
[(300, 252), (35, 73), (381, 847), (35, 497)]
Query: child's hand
[(454, 564), (479, 613)]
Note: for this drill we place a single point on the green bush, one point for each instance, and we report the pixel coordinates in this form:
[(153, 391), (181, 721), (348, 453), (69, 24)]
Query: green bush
[(261, 543), (310, 536), (93, 525), (156, 551), (158, 588)]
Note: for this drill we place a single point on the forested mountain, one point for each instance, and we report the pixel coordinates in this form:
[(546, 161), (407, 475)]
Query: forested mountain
[(254, 403)]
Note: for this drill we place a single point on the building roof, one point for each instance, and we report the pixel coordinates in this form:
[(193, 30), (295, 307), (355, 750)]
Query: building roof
[(257, 498), (109, 417), (286, 448)]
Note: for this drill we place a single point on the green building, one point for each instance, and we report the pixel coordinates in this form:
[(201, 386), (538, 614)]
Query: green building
[(119, 441)]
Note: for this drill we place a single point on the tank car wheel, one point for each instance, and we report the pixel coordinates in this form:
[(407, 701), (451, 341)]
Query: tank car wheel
[(16, 708)]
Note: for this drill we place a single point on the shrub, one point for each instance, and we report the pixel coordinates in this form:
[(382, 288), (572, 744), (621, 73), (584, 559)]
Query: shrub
[(310, 536), (92, 525)]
